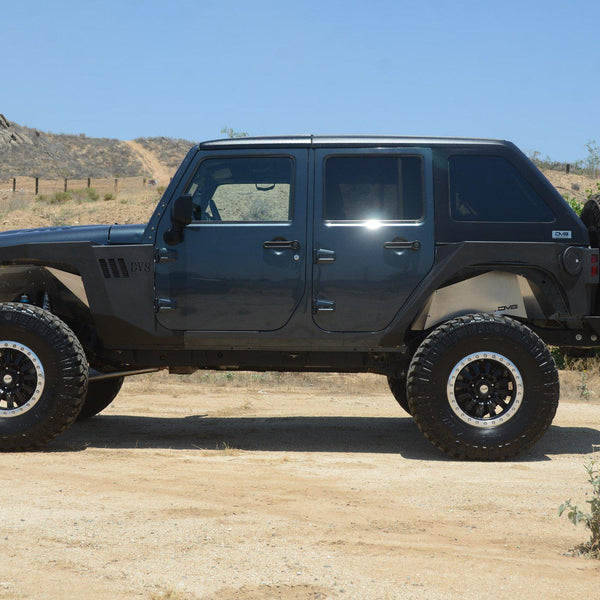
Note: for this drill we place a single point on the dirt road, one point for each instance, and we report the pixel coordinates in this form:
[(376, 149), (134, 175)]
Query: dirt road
[(161, 173), (288, 492)]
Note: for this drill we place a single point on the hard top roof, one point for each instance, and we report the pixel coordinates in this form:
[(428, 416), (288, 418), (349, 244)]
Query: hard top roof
[(346, 141)]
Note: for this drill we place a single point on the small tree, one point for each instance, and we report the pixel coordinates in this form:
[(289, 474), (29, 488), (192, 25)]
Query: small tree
[(592, 519), (592, 160), (230, 133)]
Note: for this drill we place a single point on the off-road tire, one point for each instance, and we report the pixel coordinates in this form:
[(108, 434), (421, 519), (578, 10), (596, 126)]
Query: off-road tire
[(590, 215), (398, 388), (57, 401), (100, 395), (432, 392)]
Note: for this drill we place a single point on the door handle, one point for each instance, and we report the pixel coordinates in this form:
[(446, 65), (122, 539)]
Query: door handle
[(324, 257), (416, 245), (281, 245)]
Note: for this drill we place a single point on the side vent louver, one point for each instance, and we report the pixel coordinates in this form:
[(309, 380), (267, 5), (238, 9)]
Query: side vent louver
[(113, 268)]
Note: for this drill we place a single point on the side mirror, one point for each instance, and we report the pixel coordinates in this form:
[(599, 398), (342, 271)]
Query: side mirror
[(181, 215), (181, 212)]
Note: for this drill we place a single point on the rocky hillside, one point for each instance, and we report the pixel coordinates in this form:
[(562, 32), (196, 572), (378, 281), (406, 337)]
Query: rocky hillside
[(25, 151)]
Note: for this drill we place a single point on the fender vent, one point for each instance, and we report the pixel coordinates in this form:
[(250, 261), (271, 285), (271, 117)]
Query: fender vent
[(113, 268)]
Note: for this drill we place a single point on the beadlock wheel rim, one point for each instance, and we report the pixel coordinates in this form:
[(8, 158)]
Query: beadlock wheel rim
[(485, 389), (22, 379)]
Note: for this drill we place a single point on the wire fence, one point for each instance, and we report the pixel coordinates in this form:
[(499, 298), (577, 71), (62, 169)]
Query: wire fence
[(36, 185)]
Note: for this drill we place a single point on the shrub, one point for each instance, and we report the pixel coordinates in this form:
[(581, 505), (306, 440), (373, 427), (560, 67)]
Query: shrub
[(92, 194), (56, 198), (573, 203), (592, 519), (592, 192), (108, 197), (86, 195)]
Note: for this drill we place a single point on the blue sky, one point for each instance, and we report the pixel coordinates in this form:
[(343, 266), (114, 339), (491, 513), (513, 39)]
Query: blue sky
[(523, 70)]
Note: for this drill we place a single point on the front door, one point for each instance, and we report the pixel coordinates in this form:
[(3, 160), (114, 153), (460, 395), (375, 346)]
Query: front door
[(373, 234), (241, 263)]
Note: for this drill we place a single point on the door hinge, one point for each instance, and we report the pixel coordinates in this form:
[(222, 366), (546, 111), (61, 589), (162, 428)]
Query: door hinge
[(161, 304), (323, 306), (164, 255)]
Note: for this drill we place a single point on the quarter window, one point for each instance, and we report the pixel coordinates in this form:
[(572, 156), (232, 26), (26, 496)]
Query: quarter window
[(382, 188), (243, 190), (490, 189)]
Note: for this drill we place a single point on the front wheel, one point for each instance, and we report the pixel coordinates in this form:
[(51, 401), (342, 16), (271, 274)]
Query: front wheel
[(43, 376), (483, 387)]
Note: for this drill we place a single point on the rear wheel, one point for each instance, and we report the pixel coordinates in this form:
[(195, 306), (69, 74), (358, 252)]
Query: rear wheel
[(100, 395), (43, 377), (483, 387)]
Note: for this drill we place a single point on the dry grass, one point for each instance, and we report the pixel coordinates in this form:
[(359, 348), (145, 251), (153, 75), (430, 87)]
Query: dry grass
[(257, 381), (580, 380)]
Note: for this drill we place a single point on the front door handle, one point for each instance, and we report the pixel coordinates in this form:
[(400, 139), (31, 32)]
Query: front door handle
[(281, 245), (416, 245)]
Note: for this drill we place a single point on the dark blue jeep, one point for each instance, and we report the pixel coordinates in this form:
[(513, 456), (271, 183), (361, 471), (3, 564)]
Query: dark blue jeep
[(446, 265)]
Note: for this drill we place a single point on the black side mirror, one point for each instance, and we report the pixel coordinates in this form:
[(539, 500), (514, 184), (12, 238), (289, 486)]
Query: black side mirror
[(181, 215)]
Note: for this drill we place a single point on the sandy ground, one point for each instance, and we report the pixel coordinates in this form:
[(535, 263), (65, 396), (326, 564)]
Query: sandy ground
[(291, 492)]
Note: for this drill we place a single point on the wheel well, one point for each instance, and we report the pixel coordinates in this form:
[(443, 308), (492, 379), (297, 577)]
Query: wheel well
[(528, 295), (60, 292)]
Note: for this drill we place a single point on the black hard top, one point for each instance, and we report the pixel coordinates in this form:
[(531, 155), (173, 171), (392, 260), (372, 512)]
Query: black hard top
[(362, 141)]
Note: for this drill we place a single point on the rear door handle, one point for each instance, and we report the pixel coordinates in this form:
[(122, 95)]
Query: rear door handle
[(416, 245), (281, 245)]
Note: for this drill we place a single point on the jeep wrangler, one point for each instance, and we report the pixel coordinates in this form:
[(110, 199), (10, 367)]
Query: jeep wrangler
[(447, 265)]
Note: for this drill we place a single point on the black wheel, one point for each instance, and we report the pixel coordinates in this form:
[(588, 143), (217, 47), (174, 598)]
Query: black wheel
[(99, 395), (590, 215), (483, 387), (398, 387), (43, 377)]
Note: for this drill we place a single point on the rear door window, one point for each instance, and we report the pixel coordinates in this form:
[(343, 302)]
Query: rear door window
[(378, 188)]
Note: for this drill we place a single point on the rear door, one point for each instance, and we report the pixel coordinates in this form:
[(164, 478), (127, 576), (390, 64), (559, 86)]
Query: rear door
[(373, 234)]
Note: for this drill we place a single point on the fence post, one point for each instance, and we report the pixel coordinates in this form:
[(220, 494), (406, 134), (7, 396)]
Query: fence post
[(37, 185), (568, 167), (89, 181), (65, 184), (116, 185), (14, 184), (144, 182)]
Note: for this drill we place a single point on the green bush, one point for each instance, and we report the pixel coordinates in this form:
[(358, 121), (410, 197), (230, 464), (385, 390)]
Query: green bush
[(86, 195), (56, 198), (592, 519), (593, 192), (573, 203), (108, 197)]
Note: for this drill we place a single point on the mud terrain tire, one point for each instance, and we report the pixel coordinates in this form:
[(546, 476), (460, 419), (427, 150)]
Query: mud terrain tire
[(590, 215), (483, 387), (43, 377)]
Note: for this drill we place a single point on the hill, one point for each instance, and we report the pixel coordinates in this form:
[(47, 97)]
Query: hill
[(25, 151)]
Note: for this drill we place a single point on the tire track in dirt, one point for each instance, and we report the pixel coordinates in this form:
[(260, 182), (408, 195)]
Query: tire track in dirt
[(159, 172)]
